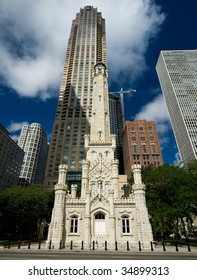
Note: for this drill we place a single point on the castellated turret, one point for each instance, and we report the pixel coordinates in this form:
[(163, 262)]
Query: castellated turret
[(57, 226)]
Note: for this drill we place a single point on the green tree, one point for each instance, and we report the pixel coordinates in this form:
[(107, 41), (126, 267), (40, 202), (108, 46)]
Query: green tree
[(171, 194), (23, 210)]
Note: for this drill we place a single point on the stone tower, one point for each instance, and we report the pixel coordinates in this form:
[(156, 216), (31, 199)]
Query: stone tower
[(100, 181), (103, 212)]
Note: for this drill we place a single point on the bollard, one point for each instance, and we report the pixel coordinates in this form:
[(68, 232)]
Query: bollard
[(140, 248), (50, 244), (105, 245), (9, 244), (93, 245), (127, 245), (116, 246), (29, 245), (60, 247), (19, 244), (151, 245)]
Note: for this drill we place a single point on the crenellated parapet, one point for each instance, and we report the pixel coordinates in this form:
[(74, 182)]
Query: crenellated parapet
[(124, 201), (61, 184), (100, 69), (74, 201)]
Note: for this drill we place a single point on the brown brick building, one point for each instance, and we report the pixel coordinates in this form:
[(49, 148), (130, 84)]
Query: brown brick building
[(140, 144)]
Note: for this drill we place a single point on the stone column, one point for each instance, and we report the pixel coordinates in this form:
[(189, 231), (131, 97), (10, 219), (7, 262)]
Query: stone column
[(115, 176), (136, 168), (57, 226), (73, 191), (112, 220), (85, 177), (144, 230), (88, 218)]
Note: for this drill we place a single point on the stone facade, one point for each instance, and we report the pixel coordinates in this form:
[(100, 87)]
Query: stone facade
[(106, 210)]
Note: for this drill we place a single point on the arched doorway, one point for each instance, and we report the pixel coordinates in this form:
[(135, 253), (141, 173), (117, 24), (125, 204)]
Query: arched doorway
[(99, 224)]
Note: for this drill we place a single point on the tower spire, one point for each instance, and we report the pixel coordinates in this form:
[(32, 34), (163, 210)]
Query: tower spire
[(100, 123)]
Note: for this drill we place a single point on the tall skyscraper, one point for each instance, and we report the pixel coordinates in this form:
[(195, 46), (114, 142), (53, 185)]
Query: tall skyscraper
[(33, 140), (11, 158), (86, 46), (116, 126), (177, 72), (141, 144)]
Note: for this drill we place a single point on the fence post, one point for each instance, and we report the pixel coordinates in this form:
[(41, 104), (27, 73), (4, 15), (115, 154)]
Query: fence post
[(188, 246), (127, 245), (164, 248), (71, 245), (9, 244), (39, 245), (93, 245), (60, 247), (176, 246), (29, 245), (140, 248), (151, 245), (81, 245), (19, 244), (105, 245), (116, 245), (50, 244)]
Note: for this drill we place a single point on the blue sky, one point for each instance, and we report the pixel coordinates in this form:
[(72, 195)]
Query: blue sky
[(33, 42)]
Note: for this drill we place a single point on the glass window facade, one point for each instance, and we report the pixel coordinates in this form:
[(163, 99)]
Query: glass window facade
[(177, 72)]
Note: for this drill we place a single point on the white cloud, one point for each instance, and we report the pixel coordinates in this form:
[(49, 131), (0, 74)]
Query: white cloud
[(156, 110), (16, 126), (35, 34)]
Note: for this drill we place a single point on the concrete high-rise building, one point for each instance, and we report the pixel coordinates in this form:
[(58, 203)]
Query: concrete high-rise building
[(141, 144), (11, 158), (33, 140), (177, 72), (86, 46)]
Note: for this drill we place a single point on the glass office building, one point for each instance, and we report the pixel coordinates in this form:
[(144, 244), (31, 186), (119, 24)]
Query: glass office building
[(177, 72)]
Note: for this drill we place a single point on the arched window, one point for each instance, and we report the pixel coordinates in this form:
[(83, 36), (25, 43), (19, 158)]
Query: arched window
[(99, 224), (125, 224), (100, 216), (74, 224)]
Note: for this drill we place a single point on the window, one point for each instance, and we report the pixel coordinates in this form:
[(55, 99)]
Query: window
[(144, 149), (153, 148), (74, 224), (134, 149), (125, 224), (100, 216)]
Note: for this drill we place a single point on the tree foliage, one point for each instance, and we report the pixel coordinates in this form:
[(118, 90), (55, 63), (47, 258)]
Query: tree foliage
[(23, 209), (171, 195)]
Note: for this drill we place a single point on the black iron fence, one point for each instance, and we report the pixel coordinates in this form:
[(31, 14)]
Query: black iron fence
[(103, 245)]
